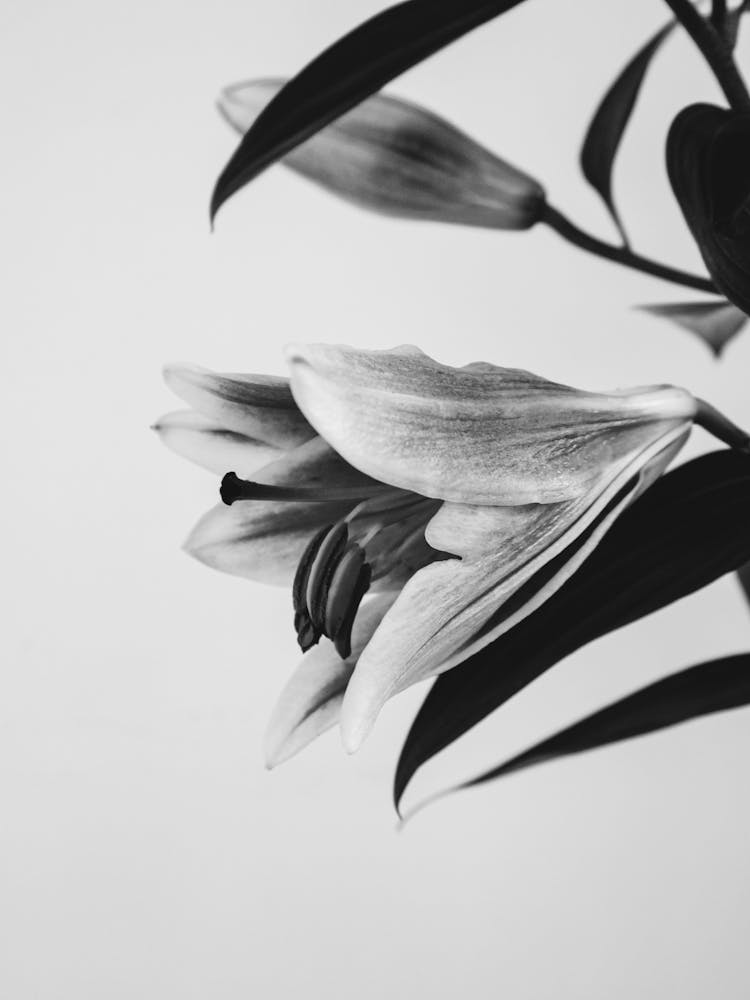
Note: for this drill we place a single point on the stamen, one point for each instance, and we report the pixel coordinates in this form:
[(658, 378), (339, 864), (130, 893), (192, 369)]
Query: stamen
[(330, 582), (321, 573), (233, 489), (342, 587), (343, 638), (307, 634), (336, 570)]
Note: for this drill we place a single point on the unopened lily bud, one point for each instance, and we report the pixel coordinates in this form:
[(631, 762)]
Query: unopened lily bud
[(396, 158)]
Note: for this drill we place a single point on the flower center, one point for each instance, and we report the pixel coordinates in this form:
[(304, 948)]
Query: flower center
[(342, 560), (381, 538)]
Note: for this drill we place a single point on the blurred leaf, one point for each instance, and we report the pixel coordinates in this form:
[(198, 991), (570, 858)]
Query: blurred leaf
[(715, 323), (352, 68), (708, 161), (610, 120), (715, 686), (688, 529)]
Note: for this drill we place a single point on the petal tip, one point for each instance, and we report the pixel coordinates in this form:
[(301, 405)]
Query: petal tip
[(295, 353), (177, 373), (203, 534), (273, 753), (354, 732)]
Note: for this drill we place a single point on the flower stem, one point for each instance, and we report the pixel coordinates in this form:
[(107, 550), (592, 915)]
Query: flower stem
[(718, 13), (717, 53), (708, 417), (621, 254)]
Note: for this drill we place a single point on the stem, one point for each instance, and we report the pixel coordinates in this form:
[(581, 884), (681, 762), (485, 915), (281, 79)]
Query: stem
[(620, 254), (716, 52), (718, 13), (721, 427)]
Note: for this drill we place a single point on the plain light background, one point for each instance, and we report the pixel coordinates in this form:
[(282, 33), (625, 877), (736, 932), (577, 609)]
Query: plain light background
[(144, 850)]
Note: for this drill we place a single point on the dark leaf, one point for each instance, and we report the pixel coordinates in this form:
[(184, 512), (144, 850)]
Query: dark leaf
[(710, 687), (354, 67), (607, 127), (690, 528), (744, 576), (715, 323), (610, 120), (708, 161)]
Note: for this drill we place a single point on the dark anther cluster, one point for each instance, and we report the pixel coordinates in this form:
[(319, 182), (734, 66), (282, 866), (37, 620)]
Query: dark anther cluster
[(331, 580)]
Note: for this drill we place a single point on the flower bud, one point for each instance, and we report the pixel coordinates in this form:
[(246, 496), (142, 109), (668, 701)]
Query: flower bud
[(395, 158)]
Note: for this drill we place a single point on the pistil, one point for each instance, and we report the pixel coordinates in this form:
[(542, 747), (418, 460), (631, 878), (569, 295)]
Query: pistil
[(233, 489)]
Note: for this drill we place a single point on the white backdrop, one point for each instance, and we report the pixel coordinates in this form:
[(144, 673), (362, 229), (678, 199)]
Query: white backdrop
[(144, 850)]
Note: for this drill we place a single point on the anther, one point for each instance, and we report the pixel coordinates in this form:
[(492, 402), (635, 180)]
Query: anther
[(331, 579), (321, 572), (342, 640), (342, 587), (307, 634)]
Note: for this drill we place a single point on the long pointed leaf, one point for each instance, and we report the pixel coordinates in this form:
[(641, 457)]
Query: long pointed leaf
[(744, 577), (607, 127), (610, 120), (715, 323), (710, 687), (690, 528), (354, 67)]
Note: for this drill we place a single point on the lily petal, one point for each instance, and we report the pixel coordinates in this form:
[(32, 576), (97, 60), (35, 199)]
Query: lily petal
[(260, 540), (450, 609), (264, 539), (311, 701), (258, 406), (203, 441), (314, 465), (479, 434)]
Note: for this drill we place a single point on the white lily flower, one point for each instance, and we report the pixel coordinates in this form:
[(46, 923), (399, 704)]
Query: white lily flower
[(394, 157), (417, 510)]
